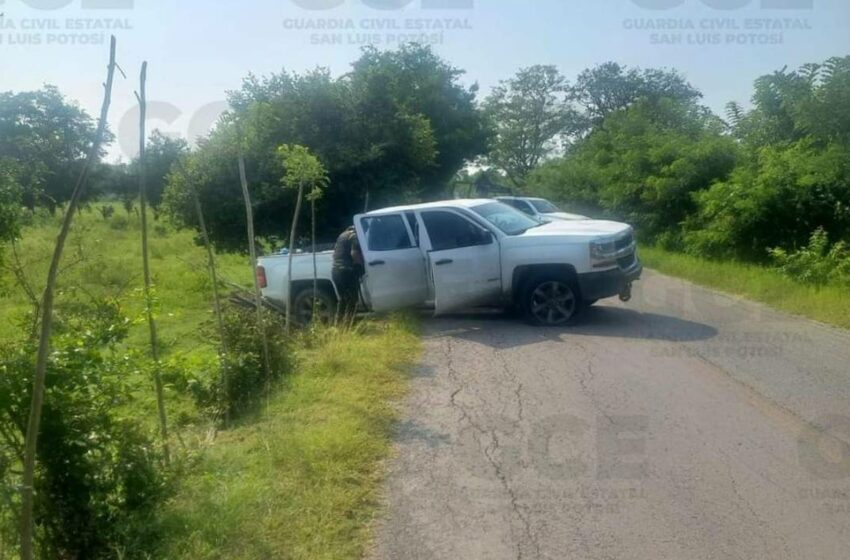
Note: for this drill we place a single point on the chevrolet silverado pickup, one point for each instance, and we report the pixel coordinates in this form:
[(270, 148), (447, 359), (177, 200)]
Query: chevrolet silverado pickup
[(462, 254)]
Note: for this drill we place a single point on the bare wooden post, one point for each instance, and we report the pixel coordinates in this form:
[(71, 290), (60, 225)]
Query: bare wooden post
[(258, 295), (216, 299), (143, 195), (292, 234), (31, 442), (313, 248)]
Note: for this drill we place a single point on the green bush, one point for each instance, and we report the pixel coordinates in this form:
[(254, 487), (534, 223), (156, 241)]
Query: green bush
[(775, 201), (119, 223), (244, 380), (819, 263), (98, 471), (644, 166)]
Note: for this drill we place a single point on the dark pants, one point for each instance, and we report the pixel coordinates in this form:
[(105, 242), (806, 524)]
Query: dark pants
[(347, 282)]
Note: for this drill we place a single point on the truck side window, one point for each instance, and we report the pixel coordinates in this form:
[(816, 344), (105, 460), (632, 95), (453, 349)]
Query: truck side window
[(450, 231), (386, 233), (414, 226)]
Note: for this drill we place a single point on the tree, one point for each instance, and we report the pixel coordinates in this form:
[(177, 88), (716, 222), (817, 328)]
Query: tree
[(528, 113), (788, 106), (609, 87), (10, 210), (49, 138), (776, 201), (42, 355), (160, 157), (398, 126), (643, 165), (793, 178), (302, 170), (252, 251), (10, 200), (149, 304)]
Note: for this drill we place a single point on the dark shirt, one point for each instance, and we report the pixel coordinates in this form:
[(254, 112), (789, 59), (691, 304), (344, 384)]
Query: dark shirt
[(345, 244)]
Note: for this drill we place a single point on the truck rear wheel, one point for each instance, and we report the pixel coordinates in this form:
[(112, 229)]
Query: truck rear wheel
[(309, 306), (550, 301)]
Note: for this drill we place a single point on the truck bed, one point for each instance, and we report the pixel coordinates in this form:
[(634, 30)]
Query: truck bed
[(302, 270)]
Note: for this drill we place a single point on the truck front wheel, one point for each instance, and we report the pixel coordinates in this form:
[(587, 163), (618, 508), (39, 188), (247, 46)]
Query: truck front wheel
[(550, 302)]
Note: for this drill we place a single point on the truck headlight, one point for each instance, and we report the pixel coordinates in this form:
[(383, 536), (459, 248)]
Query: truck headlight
[(602, 250)]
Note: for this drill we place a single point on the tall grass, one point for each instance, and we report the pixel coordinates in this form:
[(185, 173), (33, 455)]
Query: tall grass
[(103, 259), (295, 479), (829, 304), (302, 480)]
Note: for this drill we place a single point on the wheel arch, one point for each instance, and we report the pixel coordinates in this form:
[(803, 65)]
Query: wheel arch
[(321, 283), (523, 274)]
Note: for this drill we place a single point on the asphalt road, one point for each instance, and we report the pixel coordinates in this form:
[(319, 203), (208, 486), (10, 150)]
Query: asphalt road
[(683, 425)]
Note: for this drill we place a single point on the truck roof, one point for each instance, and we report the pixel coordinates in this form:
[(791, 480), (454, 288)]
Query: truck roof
[(456, 203), (519, 198)]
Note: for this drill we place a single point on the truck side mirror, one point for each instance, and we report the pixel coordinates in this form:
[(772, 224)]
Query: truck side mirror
[(486, 237)]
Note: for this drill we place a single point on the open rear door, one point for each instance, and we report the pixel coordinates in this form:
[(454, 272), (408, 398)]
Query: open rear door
[(396, 276)]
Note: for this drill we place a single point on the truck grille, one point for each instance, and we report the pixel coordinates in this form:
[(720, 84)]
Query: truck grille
[(626, 262)]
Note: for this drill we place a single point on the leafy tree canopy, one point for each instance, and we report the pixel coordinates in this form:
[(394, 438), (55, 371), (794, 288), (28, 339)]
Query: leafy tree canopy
[(529, 114), (49, 138), (610, 87), (643, 165), (399, 125)]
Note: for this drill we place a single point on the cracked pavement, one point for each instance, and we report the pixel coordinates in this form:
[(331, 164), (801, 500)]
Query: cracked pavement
[(685, 424)]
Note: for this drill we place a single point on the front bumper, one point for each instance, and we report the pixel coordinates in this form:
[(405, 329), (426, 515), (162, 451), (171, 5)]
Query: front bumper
[(608, 283)]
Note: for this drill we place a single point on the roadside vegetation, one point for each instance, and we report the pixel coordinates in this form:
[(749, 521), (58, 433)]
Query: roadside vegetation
[(276, 434), (756, 202), (828, 303), (295, 473), (301, 479)]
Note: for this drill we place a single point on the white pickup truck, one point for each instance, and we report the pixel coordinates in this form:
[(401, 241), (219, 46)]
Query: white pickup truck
[(462, 254)]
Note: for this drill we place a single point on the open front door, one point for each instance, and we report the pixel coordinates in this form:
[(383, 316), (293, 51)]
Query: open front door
[(396, 276), (465, 262)]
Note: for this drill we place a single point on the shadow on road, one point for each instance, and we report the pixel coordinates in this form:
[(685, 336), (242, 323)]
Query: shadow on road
[(501, 330), (410, 431)]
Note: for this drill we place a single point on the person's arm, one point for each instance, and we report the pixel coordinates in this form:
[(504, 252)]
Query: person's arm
[(356, 254)]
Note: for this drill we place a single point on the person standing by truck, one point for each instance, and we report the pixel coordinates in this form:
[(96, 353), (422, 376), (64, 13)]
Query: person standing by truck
[(346, 272)]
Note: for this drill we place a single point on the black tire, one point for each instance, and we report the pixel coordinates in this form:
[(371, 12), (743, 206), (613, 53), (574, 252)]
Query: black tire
[(303, 305), (551, 301)]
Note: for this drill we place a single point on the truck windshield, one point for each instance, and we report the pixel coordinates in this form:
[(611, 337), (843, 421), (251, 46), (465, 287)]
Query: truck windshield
[(510, 220), (544, 206)]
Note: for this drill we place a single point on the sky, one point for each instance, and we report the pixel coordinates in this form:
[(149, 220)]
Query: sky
[(197, 50)]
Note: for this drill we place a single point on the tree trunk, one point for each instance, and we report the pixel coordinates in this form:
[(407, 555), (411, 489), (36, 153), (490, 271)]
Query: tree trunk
[(252, 249), (31, 442), (143, 206), (292, 234)]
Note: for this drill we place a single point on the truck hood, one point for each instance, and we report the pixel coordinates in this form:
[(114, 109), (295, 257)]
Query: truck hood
[(564, 216), (587, 229)]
